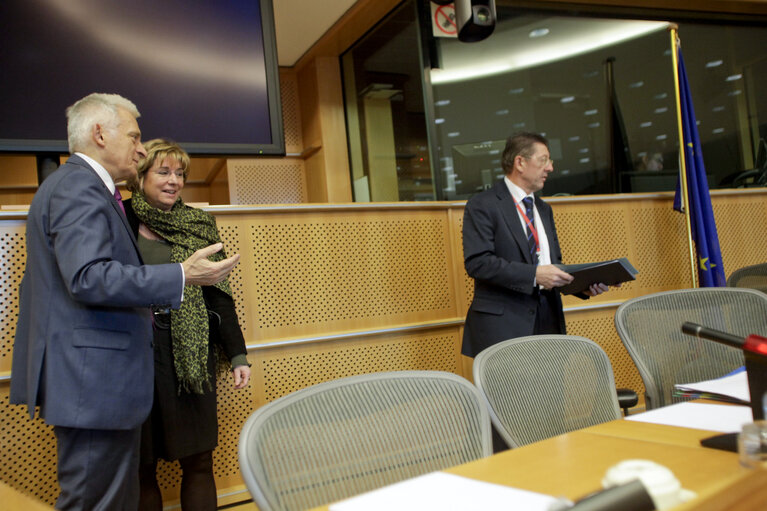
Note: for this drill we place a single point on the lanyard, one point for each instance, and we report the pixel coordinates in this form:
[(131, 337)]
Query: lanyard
[(529, 225)]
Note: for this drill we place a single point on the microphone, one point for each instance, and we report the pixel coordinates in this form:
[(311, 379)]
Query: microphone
[(753, 343), (631, 496), (755, 353)]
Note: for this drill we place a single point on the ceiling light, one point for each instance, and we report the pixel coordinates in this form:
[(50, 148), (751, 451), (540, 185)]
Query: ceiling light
[(463, 63), (717, 130), (645, 124), (636, 85), (591, 112), (567, 99), (714, 63), (661, 110), (732, 78)]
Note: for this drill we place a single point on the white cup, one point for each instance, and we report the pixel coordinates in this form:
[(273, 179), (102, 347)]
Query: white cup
[(664, 488)]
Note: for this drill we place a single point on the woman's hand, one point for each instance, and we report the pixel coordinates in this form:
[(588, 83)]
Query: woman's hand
[(241, 376)]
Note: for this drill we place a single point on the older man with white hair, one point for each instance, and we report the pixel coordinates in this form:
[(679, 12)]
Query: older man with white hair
[(82, 351)]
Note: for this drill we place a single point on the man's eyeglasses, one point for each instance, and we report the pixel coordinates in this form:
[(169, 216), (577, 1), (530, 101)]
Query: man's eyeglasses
[(543, 161)]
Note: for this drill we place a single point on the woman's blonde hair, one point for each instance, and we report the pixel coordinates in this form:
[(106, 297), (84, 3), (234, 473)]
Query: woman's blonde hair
[(157, 150)]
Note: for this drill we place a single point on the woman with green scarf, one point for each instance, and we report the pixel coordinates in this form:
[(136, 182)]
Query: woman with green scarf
[(190, 344)]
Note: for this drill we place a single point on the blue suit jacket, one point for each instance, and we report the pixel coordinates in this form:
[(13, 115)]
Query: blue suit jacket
[(82, 350), (497, 257)]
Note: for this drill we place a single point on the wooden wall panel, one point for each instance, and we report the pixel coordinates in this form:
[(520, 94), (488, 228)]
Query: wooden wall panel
[(741, 223), (291, 112), (599, 326), (329, 291), (266, 181), (12, 259), (342, 271)]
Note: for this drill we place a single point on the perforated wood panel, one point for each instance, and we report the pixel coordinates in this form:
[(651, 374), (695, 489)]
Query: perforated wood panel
[(662, 253), (291, 113), (599, 326), (466, 282), (320, 272), (27, 448), (266, 181), (12, 258), (27, 452), (741, 224), (588, 234), (230, 236), (282, 371), (346, 270)]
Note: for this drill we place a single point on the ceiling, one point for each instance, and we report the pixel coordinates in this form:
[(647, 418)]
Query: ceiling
[(301, 23)]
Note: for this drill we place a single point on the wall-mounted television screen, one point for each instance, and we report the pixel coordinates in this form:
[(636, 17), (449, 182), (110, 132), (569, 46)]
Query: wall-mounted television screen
[(201, 73)]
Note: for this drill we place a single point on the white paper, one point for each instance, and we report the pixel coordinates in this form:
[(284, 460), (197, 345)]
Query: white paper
[(734, 385), (711, 417), (447, 492)]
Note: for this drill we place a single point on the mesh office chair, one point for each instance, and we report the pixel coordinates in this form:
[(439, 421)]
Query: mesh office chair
[(545, 385), (650, 328), (754, 277), (348, 436)]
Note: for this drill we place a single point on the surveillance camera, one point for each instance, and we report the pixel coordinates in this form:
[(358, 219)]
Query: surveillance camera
[(475, 19)]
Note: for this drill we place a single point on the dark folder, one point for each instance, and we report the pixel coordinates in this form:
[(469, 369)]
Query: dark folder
[(607, 272)]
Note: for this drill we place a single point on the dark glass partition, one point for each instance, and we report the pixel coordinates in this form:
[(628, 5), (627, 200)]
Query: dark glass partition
[(601, 89)]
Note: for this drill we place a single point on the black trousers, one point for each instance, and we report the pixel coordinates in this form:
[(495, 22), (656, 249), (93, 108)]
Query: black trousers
[(546, 317), (97, 469)]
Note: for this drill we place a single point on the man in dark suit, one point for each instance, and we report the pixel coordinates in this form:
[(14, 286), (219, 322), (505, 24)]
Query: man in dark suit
[(82, 351), (510, 248)]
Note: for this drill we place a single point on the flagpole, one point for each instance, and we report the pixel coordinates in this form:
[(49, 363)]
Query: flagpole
[(682, 164)]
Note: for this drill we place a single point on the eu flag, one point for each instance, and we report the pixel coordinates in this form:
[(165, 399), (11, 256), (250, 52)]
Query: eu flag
[(702, 224)]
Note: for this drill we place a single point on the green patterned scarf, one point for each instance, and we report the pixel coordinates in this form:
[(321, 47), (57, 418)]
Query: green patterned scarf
[(187, 230)]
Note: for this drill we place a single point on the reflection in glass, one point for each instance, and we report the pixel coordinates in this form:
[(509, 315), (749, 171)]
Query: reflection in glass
[(601, 90), (389, 152)]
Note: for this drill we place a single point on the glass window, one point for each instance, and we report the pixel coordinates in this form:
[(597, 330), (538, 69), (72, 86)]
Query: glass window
[(388, 147), (602, 92), (600, 89)]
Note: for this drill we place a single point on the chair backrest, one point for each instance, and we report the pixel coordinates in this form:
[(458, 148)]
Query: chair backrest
[(545, 385), (650, 328), (754, 277), (348, 436)]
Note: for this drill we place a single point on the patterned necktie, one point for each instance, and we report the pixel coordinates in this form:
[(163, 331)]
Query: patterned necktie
[(528, 202), (119, 199)]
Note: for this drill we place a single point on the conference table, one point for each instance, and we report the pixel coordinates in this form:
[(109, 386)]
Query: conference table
[(572, 465)]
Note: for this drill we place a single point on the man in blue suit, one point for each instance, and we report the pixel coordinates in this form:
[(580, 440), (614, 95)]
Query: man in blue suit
[(82, 351), (510, 249)]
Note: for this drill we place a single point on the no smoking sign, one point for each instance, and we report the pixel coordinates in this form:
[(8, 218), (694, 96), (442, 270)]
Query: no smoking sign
[(443, 20)]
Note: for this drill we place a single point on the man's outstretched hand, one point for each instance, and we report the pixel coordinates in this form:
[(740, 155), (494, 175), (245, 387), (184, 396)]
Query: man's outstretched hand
[(200, 271)]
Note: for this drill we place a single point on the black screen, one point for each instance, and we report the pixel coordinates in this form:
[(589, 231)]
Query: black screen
[(202, 73)]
